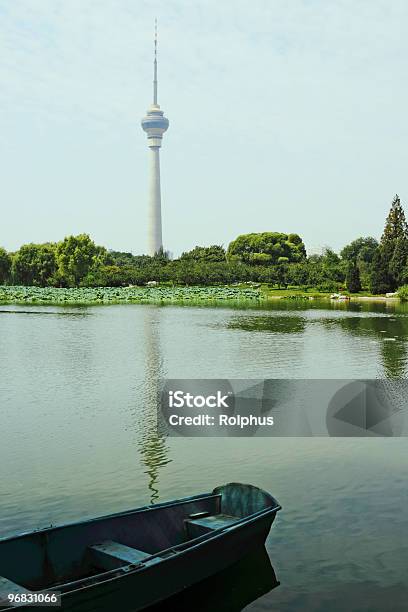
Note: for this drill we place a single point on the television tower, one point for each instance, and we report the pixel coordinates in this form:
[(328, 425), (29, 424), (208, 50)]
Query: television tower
[(154, 124)]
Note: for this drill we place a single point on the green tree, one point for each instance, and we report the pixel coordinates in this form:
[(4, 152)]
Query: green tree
[(361, 249), (360, 252), (119, 258), (78, 256), (161, 256), (208, 254), (261, 259), (266, 248), (393, 242), (330, 257), (395, 225), (380, 281), (282, 272), (353, 282), (34, 264), (5, 266), (405, 275), (325, 272), (332, 270), (263, 274), (298, 274), (399, 261)]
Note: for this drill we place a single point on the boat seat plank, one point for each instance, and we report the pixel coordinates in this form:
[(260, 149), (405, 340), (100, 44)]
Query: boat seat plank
[(200, 526), (8, 587), (111, 555)]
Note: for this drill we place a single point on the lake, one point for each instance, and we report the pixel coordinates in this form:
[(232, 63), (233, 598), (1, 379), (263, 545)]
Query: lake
[(78, 405)]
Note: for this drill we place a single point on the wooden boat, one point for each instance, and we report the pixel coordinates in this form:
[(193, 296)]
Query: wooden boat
[(143, 555)]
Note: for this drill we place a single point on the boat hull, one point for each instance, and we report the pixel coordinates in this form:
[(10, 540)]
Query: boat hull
[(158, 582)]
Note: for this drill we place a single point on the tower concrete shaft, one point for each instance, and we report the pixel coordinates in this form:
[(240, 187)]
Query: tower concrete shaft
[(154, 124), (155, 238)]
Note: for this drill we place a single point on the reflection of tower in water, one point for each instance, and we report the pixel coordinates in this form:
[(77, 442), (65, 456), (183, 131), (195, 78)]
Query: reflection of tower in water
[(152, 446)]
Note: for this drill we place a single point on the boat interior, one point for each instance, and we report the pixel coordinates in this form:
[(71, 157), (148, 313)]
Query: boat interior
[(56, 557)]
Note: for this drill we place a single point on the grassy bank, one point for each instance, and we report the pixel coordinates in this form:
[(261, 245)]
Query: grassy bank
[(297, 293)]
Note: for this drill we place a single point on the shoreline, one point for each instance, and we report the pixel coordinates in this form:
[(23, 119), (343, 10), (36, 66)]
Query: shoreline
[(375, 298), (179, 295), (353, 298)]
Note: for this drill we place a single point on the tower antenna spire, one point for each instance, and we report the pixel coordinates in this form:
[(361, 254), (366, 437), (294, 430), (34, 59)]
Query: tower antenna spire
[(155, 64)]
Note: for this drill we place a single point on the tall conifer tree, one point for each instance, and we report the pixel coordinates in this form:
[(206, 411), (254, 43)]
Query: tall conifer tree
[(353, 282), (396, 224), (394, 243)]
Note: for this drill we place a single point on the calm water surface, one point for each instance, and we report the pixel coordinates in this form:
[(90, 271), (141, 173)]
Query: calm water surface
[(78, 437)]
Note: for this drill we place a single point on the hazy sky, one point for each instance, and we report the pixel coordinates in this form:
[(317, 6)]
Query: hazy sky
[(285, 115)]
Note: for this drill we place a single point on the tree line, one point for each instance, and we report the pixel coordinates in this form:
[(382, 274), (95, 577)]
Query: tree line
[(275, 258)]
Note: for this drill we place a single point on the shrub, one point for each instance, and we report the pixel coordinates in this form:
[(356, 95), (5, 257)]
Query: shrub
[(403, 293)]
